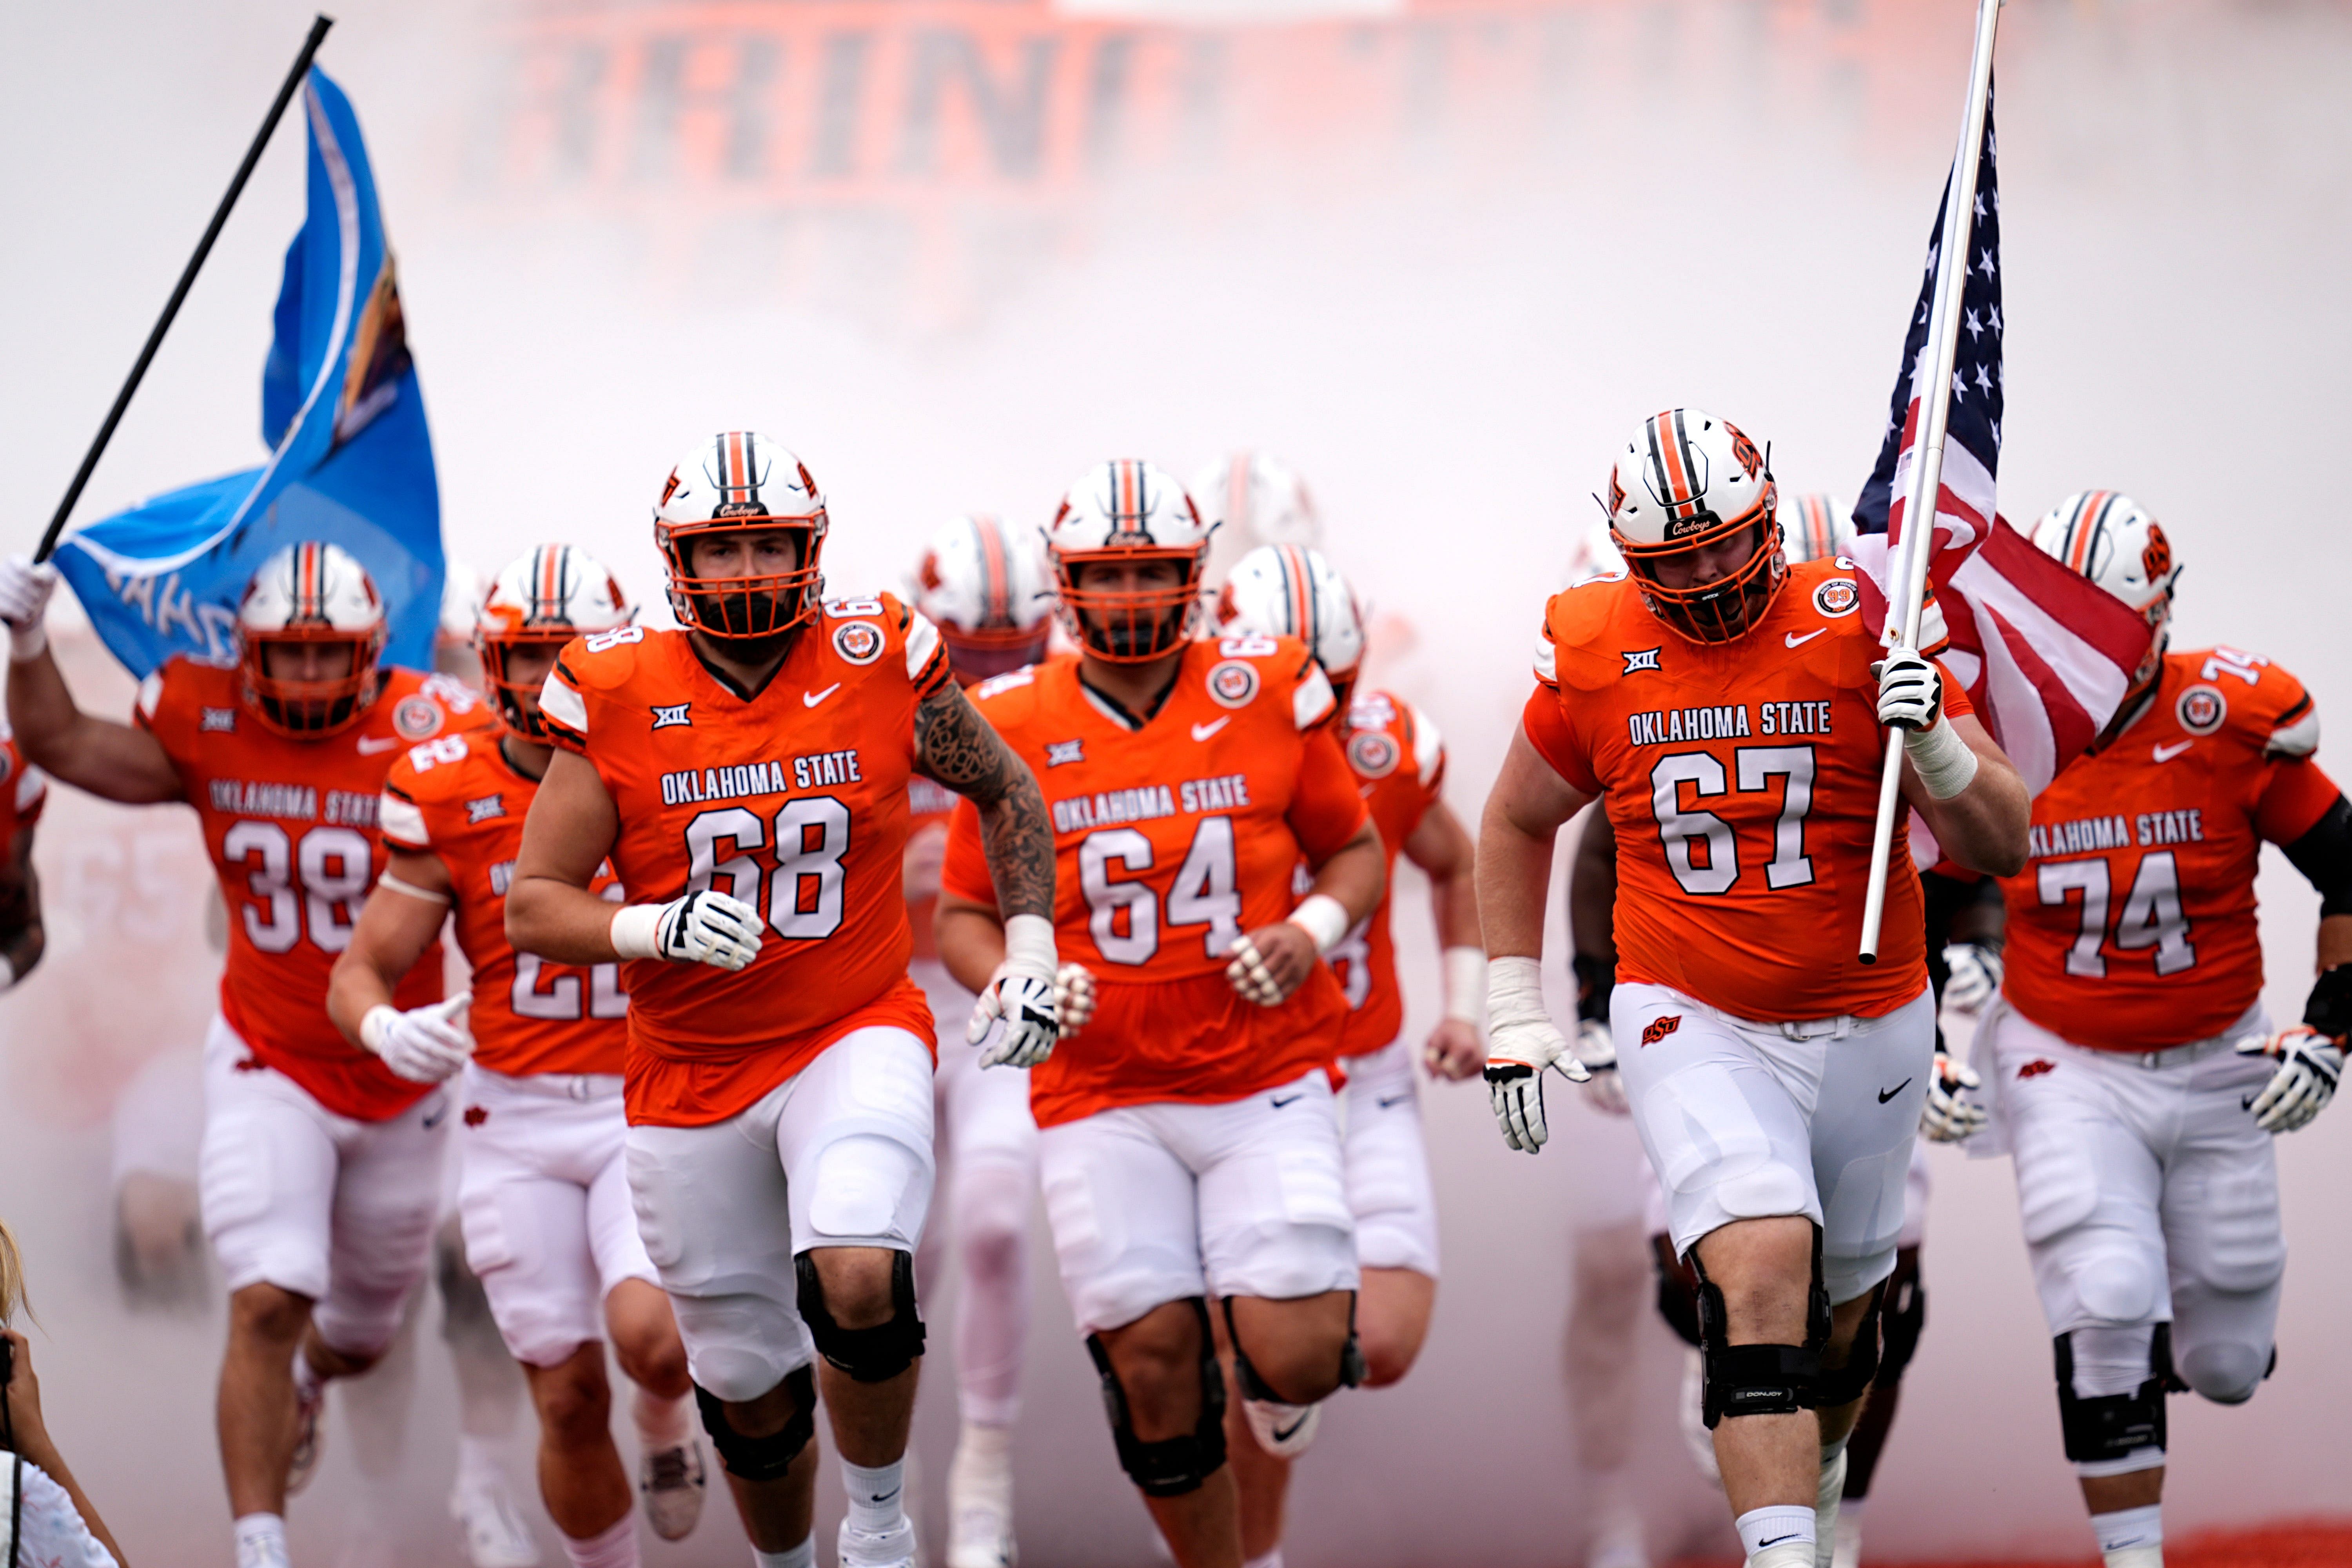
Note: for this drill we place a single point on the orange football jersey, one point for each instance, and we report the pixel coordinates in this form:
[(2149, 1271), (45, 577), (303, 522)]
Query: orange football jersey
[(793, 801), (1173, 839), (1399, 762), (1742, 780), (457, 797), (291, 828), (24, 790), (2132, 926)]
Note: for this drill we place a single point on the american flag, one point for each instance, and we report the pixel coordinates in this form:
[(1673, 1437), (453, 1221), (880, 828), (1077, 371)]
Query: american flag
[(2045, 656)]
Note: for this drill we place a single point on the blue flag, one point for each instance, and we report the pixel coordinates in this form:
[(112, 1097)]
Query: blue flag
[(350, 459)]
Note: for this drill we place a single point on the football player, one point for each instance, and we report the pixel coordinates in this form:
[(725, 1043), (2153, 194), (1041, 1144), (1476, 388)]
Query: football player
[(746, 777), (543, 1198), (24, 790), (1730, 706), (1252, 499), (322, 1160), (2137, 1081), (1399, 762), (1189, 1141), (986, 594)]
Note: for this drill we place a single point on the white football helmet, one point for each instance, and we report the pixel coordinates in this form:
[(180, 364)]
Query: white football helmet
[(544, 599), (2110, 538), (1686, 480), (1257, 500), (740, 481), (987, 594), (1122, 512), (452, 634), (1814, 527), (312, 595), (1291, 591)]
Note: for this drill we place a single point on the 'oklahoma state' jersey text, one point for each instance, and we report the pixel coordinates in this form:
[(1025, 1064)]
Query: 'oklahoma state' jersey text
[(291, 826), (792, 800), (457, 797), (2132, 927), (1399, 762), (1173, 839), (1742, 780)]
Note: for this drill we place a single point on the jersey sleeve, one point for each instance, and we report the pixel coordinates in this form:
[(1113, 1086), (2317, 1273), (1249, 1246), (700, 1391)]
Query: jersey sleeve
[(562, 708), (1312, 701), (2297, 796), (965, 870), (32, 794), (927, 654), (400, 819), (1956, 696), (1326, 809), (1545, 720), (1428, 754)]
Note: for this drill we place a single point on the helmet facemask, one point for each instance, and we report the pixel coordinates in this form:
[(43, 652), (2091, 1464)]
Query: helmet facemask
[(978, 655), (497, 648), (1720, 610), (1130, 625), (309, 710), (757, 613)]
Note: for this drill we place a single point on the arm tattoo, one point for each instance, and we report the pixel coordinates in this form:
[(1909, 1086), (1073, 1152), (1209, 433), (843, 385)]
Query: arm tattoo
[(956, 746)]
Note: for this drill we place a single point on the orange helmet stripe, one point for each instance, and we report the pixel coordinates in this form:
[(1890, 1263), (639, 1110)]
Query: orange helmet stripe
[(997, 579)]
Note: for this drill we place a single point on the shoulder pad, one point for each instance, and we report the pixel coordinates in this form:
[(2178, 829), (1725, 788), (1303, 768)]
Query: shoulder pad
[(1581, 635), (2264, 702), (434, 769), (880, 606), (1428, 745), (601, 661)]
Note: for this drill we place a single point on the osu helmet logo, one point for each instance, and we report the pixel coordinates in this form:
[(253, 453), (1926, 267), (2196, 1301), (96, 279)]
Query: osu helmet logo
[(859, 642), (2156, 555), (1745, 451)]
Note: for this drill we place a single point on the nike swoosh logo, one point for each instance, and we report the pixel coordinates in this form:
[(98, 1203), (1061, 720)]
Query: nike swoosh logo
[(1203, 732), (1278, 1101), (1884, 1096), (1388, 1100), (369, 746), (2165, 753), (1793, 640), (885, 1497), (434, 1120), (1776, 1540), (1285, 1434), (811, 699)]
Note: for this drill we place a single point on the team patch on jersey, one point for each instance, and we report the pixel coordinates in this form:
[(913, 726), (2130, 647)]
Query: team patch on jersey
[(484, 809), (2036, 1067), (1373, 753), (1837, 596), (1641, 659), (1232, 683), (417, 716), (859, 642), (1060, 752), (217, 722), (667, 717), (2200, 709), (1659, 1028)]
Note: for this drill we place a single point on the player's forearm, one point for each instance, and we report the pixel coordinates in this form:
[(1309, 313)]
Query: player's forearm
[(970, 941), (1356, 876), (1593, 892), (108, 760), (1018, 840), (1984, 826), (356, 985), (1454, 907), (1514, 871), (2335, 940), (560, 921)]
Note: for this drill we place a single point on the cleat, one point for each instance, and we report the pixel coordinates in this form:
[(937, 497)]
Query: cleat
[(309, 1435), (673, 1483), (892, 1548), (495, 1536), (980, 1504)]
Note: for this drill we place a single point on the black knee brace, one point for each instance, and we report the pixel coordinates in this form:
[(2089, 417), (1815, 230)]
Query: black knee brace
[(869, 1355), (1677, 1300), (2113, 1425), (1759, 1380), (761, 1459), (1852, 1380), (1351, 1360), (1905, 1315), (1170, 1466)]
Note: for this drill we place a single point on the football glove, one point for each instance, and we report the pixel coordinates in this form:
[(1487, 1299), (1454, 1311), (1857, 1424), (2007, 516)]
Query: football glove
[(25, 590), (1521, 1042), (1950, 1115), (1910, 692), (1019, 1000), (1074, 997), (700, 928), (424, 1045), (2309, 1064), (1975, 980), (1597, 1049)]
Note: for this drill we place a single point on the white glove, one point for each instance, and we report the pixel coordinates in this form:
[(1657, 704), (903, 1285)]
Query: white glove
[(1521, 1042), (1911, 699), (1949, 1115), (1074, 997), (1019, 1000), (700, 928), (424, 1045), (1597, 1049), (25, 590), (2309, 1066), (1975, 980)]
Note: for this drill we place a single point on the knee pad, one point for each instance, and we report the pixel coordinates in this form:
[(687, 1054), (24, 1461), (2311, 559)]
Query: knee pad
[(2226, 1373), (1759, 1380), (1906, 1314), (1852, 1380), (1677, 1304), (1351, 1360), (869, 1355), (1170, 1466), (761, 1459), (2101, 1428)]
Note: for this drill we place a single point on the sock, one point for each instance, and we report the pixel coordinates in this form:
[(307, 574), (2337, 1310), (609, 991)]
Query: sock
[(2131, 1537), (614, 1548), (478, 1464), (1849, 1534), (661, 1423), (1782, 1524), (801, 1556), (1271, 1560), (877, 1496), (1831, 1488), (260, 1540)]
